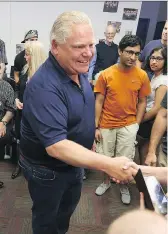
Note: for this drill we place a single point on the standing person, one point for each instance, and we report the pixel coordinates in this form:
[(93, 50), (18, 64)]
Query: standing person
[(35, 55), (20, 61), (152, 45), (157, 63), (7, 109), (106, 51), (4, 61), (121, 92), (57, 130)]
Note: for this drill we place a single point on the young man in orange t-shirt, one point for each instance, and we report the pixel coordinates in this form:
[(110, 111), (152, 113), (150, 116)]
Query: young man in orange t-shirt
[(121, 92)]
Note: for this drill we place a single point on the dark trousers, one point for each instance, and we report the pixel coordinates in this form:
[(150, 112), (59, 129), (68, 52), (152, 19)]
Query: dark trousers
[(55, 196)]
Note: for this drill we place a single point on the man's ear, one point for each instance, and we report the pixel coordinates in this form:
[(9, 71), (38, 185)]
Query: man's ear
[(105, 34), (119, 51), (54, 47)]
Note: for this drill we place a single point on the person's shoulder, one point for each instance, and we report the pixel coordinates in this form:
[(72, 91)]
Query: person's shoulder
[(20, 55), (6, 85), (153, 43), (2, 42), (115, 45), (109, 71), (46, 78), (140, 73)]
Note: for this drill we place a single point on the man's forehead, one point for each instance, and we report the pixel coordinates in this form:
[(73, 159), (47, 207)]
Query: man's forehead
[(110, 28)]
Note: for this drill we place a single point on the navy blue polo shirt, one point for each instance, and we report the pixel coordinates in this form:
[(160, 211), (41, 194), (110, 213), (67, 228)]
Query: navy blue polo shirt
[(55, 108)]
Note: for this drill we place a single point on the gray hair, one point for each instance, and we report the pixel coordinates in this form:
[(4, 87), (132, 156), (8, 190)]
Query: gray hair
[(62, 27)]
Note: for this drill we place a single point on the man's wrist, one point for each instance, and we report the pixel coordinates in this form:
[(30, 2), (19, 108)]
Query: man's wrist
[(4, 122)]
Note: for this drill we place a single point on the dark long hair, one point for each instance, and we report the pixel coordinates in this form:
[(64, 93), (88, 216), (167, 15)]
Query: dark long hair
[(163, 53)]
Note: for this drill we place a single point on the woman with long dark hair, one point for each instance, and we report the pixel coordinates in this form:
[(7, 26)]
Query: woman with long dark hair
[(157, 64)]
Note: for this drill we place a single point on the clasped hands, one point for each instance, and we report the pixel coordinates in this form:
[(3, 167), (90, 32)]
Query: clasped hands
[(124, 170)]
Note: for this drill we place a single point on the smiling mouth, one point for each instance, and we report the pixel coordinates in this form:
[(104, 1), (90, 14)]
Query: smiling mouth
[(83, 62)]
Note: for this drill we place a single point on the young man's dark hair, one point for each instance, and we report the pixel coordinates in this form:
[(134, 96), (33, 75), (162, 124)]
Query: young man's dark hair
[(129, 40), (164, 55)]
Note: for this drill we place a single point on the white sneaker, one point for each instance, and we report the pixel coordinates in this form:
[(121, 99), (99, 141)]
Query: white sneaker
[(102, 188)]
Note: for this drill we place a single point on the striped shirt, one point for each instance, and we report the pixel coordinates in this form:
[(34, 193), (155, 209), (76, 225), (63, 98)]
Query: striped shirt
[(6, 98)]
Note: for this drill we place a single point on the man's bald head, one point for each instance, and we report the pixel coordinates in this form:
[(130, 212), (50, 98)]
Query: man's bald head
[(139, 222)]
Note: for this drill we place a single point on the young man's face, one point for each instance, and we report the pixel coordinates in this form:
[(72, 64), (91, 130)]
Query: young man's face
[(129, 55), (76, 53)]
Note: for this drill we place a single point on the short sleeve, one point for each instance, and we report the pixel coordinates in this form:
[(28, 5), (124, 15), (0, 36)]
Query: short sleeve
[(145, 89), (164, 102), (163, 81), (101, 85), (47, 114)]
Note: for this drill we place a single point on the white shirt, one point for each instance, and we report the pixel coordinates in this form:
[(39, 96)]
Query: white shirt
[(155, 83)]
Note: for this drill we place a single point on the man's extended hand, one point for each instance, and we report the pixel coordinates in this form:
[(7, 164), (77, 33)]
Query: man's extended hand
[(118, 173), (151, 159)]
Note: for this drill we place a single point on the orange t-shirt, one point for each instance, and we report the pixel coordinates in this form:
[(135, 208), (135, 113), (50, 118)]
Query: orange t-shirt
[(121, 90)]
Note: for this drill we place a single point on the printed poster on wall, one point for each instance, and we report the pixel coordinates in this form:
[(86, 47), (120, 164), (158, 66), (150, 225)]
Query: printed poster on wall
[(110, 6), (130, 14), (19, 48)]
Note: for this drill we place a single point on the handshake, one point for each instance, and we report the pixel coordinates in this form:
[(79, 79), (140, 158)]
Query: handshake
[(121, 169)]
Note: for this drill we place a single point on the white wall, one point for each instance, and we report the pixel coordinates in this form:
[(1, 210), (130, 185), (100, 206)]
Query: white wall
[(22, 16)]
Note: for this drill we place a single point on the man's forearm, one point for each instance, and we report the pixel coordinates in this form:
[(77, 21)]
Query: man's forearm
[(8, 116), (159, 172), (98, 111), (141, 106), (76, 155), (158, 129)]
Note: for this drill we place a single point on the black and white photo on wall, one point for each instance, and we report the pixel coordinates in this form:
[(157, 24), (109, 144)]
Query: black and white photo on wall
[(130, 14), (19, 48), (116, 24), (110, 6)]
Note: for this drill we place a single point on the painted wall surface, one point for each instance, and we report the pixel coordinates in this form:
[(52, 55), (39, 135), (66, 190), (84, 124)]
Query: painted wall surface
[(156, 12), (22, 16)]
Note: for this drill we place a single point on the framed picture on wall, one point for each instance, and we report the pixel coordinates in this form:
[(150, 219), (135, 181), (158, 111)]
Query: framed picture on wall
[(116, 24), (130, 14), (110, 6), (19, 48)]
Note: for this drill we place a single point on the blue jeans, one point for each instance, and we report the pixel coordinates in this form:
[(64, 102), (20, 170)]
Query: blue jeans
[(55, 196)]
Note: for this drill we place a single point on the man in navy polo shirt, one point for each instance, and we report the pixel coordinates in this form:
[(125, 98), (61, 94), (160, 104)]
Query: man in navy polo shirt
[(58, 127)]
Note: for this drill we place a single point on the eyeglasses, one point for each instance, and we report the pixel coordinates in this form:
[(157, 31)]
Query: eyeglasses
[(157, 59), (130, 53)]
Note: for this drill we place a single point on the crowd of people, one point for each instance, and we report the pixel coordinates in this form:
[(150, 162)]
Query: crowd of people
[(57, 117)]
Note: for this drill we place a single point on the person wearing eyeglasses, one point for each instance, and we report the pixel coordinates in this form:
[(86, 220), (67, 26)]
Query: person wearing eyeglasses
[(121, 92), (106, 52), (157, 64), (152, 45)]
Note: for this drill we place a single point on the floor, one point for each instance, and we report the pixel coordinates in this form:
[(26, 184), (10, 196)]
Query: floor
[(92, 216)]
